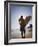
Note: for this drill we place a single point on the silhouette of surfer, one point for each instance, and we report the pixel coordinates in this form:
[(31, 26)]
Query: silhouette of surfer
[(22, 26)]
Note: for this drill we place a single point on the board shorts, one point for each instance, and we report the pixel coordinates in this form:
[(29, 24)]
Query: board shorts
[(22, 28)]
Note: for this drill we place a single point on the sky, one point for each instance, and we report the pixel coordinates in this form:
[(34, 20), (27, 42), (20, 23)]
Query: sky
[(16, 12)]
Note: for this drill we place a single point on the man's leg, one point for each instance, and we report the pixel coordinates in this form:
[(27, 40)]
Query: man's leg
[(22, 34)]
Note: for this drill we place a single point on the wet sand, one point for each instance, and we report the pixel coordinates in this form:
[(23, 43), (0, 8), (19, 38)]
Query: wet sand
[(15, 35)]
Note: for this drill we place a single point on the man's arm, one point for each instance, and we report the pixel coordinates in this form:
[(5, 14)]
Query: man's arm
[(19, 21)]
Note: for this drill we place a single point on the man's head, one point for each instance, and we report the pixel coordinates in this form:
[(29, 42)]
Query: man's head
[(21, 16)]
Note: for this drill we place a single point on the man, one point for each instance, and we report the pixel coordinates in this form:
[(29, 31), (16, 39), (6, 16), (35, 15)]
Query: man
[(22, 26)]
